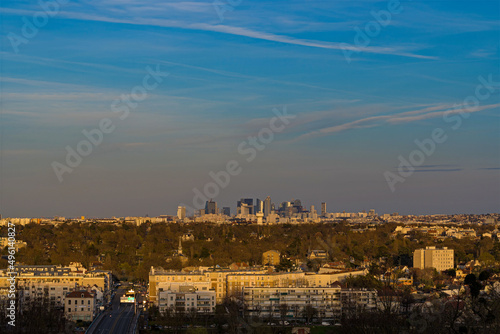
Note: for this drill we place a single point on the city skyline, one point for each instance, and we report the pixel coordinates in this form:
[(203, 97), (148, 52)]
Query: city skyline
[(384, 105), (273, 207)]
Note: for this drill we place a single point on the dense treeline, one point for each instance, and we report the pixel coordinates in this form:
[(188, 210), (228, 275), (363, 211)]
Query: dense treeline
[(131, 250), (33, 316)]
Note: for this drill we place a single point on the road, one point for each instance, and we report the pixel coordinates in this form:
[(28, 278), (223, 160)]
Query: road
[(118, 319)]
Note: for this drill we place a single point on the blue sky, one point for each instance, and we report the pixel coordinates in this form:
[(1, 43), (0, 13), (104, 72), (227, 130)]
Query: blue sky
[(354, 117)]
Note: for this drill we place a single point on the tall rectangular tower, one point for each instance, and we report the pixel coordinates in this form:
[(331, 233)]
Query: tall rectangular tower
[(323, 209), (181, 212), (267, 206), (211, 208)]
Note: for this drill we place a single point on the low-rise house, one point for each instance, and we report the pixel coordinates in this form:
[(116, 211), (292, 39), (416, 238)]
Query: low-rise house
[(317, 254), (80, 305), (238, 266), (187, 237)]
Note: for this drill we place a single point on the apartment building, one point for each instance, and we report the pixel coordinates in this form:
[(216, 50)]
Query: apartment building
[(354, 300), (432, 257), (278, 301), (230, 283), (186, 298), (329, 301), (235, 282), (271, 258), (160, 278), (80, 305), (54, 282), (18, 244), (327, 278)]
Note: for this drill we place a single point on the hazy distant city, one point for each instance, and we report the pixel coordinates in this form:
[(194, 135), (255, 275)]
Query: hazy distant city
[(266, 268), (232, 166)]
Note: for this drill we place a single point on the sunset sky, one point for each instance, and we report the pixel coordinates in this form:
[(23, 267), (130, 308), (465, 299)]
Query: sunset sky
[(360, 102)]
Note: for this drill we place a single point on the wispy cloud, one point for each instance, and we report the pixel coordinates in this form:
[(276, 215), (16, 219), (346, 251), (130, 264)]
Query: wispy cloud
[(435, 166), (398, 118), (245, 32), (71, 96), (457, 110), (40, 83), (66, 64), (256, 78), (483, 53), (438, 170)]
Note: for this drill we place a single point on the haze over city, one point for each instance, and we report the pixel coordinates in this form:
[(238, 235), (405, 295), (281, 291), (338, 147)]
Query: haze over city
[(202, 79), (236, 166)]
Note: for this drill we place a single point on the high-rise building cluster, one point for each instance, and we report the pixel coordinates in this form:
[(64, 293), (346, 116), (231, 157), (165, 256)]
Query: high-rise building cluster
[(265, 211), (261, 211)]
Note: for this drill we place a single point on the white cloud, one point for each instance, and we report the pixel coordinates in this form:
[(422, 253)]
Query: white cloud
[(398, 118), (245, 32)]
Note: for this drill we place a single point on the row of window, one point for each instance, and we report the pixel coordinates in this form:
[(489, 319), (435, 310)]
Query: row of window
[(69, 309), (76, 302)]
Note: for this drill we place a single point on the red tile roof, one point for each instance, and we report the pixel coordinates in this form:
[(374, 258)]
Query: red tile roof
[(78, 294)]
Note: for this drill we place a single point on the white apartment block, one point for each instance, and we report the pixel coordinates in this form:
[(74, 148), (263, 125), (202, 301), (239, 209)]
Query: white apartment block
[(271, 302), (329, 301), (432, 257), (185, 298), (353, 300)]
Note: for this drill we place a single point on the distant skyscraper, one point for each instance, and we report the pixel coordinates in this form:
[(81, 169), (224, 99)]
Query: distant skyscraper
[(267, 206), (313, 214), (259, 206), (226, 211), (181, 212), (297, 206), (284, 205), (323, 209), (248, 203), (283, 209), (211, 208), (245, 209)]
